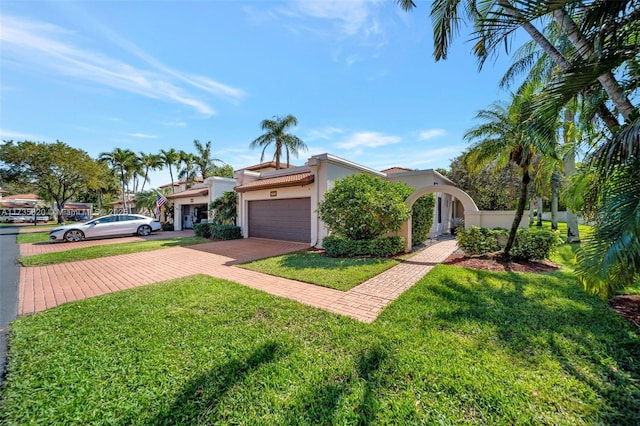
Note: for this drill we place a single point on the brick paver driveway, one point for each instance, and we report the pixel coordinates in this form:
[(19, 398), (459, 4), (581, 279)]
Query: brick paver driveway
[(44, 287)]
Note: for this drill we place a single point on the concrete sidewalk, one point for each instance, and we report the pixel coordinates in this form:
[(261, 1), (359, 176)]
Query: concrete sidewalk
[(48, 286)]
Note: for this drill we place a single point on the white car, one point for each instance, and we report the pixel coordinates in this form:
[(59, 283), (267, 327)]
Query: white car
[(106, 226)]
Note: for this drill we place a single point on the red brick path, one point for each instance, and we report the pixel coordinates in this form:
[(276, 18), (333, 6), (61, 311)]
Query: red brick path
[(48, 286)]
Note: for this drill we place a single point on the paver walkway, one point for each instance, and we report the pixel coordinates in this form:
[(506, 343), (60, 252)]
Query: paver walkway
[(48, 286)]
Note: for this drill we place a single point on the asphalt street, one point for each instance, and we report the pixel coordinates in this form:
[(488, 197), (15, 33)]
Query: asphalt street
[(9, 253)]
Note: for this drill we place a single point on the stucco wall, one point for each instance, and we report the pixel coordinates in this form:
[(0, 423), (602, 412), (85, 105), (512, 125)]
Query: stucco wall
[(494, 219)]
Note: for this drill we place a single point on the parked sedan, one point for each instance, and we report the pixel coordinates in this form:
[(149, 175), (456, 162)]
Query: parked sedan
[(106, 226)]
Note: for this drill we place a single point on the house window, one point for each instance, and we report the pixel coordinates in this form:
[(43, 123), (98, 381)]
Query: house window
[(439, 209)]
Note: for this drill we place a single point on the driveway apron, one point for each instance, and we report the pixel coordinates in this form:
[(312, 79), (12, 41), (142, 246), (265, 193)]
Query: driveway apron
[(48, 286)]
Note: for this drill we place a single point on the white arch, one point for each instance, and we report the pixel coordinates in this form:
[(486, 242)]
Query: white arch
[(470, 208)]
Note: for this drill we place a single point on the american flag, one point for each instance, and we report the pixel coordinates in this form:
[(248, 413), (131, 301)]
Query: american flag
[(160, 201)]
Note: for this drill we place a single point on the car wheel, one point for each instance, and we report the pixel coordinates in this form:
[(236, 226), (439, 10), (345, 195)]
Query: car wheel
[(144, 230), (73, 236)]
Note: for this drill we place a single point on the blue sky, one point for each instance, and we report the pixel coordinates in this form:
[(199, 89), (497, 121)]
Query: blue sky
[(149, 75)]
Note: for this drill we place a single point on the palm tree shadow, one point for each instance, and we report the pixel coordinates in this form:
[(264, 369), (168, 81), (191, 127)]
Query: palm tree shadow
[(322, 404), (200, 398)]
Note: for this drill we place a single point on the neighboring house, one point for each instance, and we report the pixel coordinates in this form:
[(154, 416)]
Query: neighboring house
[(282, 204), (22, 201), (118, 207), (192, 205), (181, 185)]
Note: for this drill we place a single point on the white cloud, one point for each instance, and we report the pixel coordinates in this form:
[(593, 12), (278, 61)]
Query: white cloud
[(44, 45), (350, 17), (369, 140), (142, 135), (431, 133), (7, 135), (323, 133)]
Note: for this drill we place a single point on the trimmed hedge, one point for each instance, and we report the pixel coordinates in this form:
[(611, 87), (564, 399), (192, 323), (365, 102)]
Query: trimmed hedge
[(336, 246), (224, 232), (167, 227), (530, 244), (202, 230)]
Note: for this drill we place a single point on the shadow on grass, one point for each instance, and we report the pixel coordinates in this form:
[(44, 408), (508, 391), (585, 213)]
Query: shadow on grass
[(200, 399), (549, 314), (322, 404)]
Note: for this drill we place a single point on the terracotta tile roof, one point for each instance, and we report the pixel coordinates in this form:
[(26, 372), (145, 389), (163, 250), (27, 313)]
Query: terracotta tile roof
[(2, 191), (267, 165), (395, 170), (197, 192), (198, 179), (22, 197), (277, 182)]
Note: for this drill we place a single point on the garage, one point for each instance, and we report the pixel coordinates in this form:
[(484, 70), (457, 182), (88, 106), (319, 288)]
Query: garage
[(284, 219)]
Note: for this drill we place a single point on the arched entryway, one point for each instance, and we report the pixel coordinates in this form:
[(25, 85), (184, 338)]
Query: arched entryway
[(471, 212)]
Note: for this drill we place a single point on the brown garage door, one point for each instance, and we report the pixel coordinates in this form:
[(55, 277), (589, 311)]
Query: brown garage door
[(281, 219)]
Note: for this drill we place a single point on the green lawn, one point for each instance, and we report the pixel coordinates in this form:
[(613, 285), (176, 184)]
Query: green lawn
[(33, 237), (460, 347), (339, 273), (585, 231), (95, 252)]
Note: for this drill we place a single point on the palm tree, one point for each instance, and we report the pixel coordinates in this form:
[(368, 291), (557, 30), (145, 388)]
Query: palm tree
[(170, 158), (188, 168), (121, 161), (604, 26), (149, 162), (275, 132), (505, 137), (203, 158)]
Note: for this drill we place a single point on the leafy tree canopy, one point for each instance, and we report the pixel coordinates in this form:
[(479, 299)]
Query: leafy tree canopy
[(56, 170)]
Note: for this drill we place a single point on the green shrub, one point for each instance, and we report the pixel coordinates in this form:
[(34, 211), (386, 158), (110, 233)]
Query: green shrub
[(422, 218), (336, 246), (225, 208), (225, 232), (530, 244), (476, 241), (535, 244), (202, 230), (167, 226), (363, 207)]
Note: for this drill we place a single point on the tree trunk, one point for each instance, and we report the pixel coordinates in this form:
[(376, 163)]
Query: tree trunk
[(173, 188), (539, 204), (607, 80), (607, 117), (569, 165), (555, 190), (531, 216), (519, 211)]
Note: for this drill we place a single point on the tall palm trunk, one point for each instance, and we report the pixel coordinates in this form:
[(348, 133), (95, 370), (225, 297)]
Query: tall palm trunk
[(124, 190), (607, 117), (519, 211), (539, 205), (555, 194), (607, 80), (569, 165)]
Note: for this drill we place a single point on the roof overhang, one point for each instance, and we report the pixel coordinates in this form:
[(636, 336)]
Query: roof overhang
[(298, 179)]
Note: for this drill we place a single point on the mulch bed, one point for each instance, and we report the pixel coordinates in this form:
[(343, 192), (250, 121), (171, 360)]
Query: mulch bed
[(492, 262), (627, 305)]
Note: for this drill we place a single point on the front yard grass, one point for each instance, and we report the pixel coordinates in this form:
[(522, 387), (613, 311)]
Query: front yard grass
[(33, 237), (338, 273), (95, 252), (460, 347)]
